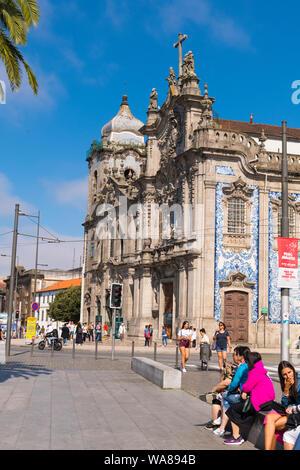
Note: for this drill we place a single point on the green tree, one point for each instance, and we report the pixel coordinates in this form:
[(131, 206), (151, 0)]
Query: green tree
[(66, 305), (16, 17)]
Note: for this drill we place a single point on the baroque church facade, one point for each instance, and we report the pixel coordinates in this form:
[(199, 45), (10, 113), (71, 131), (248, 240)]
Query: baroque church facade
[(213, 256)]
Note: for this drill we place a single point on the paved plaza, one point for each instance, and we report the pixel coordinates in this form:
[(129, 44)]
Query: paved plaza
[(55, 403)]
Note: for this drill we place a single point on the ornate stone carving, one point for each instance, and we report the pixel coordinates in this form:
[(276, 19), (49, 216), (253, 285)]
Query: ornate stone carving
[(153, 100), (188, 66), (237, 280)]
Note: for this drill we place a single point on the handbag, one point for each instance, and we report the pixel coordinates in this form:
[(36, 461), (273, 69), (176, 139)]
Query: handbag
[(247, 405), (213, 345), (293, 421)]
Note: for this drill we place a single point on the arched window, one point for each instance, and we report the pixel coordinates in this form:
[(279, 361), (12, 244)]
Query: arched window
[(236, 222), (292, 221)]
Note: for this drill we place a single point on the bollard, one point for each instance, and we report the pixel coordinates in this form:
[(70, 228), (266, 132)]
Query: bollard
[(155, 347), (132, 349), (96, 348), (52, 348), (32, 346), (177, 354), (73, 350)]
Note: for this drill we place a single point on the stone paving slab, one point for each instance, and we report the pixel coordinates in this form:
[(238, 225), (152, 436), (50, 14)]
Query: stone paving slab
[(102, 406)]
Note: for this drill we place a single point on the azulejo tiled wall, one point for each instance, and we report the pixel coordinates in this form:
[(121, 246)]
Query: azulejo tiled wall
[(274, 291), (228, 262)]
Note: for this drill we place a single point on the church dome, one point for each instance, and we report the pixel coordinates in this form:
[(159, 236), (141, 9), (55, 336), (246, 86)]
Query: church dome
[(124, 128)]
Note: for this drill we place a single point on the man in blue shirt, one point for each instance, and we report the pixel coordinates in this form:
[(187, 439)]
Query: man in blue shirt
[(232, 394)]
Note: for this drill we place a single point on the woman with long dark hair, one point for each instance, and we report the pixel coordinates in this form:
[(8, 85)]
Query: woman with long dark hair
[(222, 339), (184, 337), (261, 390), (275, 423)]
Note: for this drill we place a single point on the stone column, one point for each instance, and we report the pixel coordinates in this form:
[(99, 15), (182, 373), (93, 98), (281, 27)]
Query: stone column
[(208, 262), (191, 290), (263, 260), (146, 295), (182, 293), (136, 294)]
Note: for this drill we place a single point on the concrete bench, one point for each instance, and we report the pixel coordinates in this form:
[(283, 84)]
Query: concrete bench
[(164, 376), (2, 352), (257, 432)]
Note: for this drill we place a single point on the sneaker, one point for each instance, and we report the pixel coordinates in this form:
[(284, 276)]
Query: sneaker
[(210, 425), (183, 369), (219, 432), (234, 442), (217, 421)]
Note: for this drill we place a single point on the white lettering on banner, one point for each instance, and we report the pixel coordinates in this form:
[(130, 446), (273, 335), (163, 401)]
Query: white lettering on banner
[(287, 263)]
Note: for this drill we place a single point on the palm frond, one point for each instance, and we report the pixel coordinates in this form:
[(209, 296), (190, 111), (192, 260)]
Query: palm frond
[(15, 26), (31, 78), (30, 10), (11, 58)]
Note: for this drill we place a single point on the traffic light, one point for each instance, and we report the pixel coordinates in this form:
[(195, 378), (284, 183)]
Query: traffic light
[(116, 296), (17, 314)]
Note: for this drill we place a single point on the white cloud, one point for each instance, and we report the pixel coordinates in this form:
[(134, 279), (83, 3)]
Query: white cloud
[(8, 199), (56, 255), (175, 15), (73, 193)]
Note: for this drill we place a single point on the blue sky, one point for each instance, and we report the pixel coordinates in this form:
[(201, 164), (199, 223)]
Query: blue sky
[(86, 54)]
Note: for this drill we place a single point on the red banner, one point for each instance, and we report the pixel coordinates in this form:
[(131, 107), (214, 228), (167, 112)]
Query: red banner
[(287, 262)]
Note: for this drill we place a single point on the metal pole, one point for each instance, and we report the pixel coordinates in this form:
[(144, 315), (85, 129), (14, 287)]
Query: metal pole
[(113, 334), (177, 354), (285, 335), (155, 348), (32, 346), (73, 350), (12, 282), (96, 339), (132, 349), (36, 256)]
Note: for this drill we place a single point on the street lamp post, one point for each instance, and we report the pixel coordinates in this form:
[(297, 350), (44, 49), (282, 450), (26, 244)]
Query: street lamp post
[(12, 282), (285, 337)]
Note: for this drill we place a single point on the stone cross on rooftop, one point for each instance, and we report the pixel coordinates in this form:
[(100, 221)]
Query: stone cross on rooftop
[(179, 45)]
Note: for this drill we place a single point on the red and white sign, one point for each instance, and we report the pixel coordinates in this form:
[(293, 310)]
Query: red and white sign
[(287, 262)]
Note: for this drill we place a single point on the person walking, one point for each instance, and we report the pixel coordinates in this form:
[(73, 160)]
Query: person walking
[(164, 337), (1, 334), (194, 337), (85, 332), (98, 332), (151, 335), (147, 335), (91, 332), (122, 331), (65, 333), (78, 332), (184, 338), (222, 339)]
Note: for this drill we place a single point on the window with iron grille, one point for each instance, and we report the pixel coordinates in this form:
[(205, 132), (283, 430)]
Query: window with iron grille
[(292, 221), (236, 215)]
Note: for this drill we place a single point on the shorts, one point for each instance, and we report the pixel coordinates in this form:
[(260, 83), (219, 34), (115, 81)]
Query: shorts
[(184, 344), (218, 349), (291, 435)]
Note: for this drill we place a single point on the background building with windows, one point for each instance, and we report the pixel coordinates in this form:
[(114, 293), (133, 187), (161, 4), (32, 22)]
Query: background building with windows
[(45, 296), (228, 174)]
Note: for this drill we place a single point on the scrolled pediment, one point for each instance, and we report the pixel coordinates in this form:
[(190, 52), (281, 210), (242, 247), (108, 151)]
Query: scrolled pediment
[(237, 280)]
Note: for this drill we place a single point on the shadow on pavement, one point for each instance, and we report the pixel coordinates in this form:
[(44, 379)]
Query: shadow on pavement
[(15, 369)]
